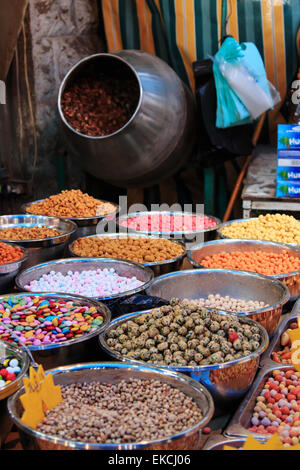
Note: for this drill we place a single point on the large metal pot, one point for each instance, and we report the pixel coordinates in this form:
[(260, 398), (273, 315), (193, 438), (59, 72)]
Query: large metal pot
[(157, 139), (108, 372)]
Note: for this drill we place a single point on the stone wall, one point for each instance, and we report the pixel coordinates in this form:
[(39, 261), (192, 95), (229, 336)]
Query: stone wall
[(62, 32)]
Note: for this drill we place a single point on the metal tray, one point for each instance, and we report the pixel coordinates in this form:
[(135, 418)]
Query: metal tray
[(274, 345), (237, 427)]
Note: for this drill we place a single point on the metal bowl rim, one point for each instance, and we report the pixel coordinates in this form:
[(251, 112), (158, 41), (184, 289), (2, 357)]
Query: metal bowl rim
[(230, 241), (111, 365), (183, 213), (27, 241), (66, 296), (280, 303), (68, 75), (75, 259), (225, 224), (25, 365), (73, 219), (135, 235), (203, 368)]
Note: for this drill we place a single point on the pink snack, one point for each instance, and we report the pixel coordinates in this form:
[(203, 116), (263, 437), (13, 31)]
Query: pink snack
[(168, 223)]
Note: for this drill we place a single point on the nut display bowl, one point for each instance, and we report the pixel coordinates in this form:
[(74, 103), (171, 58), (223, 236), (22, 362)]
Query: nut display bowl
[(43, 249), (121, 267), (84, 225), (82, 348), (199, 283), (199, 251), (6, 350), (227, 382), (158, 267), (187, 236), (112, 373), (8, 271)]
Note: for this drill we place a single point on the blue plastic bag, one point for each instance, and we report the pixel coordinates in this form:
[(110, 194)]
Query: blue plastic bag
[(243, 90)]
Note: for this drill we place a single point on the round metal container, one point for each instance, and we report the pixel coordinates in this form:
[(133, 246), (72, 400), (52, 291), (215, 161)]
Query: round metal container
[(200, 251), (83, 348), (8, 271), (43, 249), (187, 236), (123, 268), (84, 225), (227, 382), (200, 283), (158, 267), (158, 138), (226, 224), (112, 373), (6, 350)]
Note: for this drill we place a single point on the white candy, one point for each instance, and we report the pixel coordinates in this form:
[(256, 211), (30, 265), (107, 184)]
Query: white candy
[(92, 283)]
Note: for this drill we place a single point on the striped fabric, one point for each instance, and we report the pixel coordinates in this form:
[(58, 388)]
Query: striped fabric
[(182, 31)]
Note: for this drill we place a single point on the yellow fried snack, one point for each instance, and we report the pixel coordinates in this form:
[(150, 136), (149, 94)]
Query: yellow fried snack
[(279, 228)]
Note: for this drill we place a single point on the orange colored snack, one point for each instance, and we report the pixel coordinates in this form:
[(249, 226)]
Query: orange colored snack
[(262, 262), (9, 253)]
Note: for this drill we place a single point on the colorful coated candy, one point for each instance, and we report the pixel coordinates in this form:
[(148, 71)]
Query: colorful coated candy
[(9, 369), (38, 320)]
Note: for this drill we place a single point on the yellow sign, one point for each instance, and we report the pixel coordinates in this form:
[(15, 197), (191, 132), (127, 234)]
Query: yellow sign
[(274, 443), (40, 395)]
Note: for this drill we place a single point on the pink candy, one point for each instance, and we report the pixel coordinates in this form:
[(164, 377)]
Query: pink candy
[(168, 223)]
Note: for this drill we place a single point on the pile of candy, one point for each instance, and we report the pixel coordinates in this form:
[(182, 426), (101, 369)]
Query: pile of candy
[(71, 203), (141, 250), (273, 227), (90, 283), (283, 356), (184, 335), (127, 411), (10, 253), (41, 320), (277, 407), (227, 303), (168, 223), (28, 233), (9, 369), (262, 262)]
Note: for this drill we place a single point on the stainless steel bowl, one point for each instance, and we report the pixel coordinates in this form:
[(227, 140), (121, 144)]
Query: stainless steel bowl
[(158, 267), (109, 372), (227, 382), (8, 271), (6, 350), (42, 249), (241, 420), (196, 283), (123, 268), (275, 344), (226, 224), (83, 348), (84, 225), (187, 236), (200, 251), (219, 441)]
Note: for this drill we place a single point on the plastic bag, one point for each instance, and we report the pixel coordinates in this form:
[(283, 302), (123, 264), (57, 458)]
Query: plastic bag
[(243, 90)]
